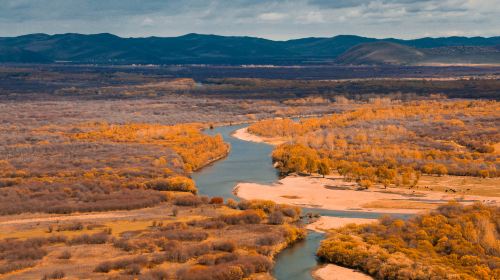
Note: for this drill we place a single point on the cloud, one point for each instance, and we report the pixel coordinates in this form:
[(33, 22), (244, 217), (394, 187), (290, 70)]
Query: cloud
[(272, 16), (147, 22), (339, 4), (311, 17), (274, 19)]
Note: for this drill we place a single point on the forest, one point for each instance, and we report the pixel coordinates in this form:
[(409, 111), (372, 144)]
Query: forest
[(98, 166), (392, 143), (453, 242)]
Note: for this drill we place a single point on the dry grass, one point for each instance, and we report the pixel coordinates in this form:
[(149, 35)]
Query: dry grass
[(461, 184), (150, 233), (399, 204)]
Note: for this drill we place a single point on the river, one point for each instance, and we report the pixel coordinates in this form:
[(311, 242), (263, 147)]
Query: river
[(251, 162)]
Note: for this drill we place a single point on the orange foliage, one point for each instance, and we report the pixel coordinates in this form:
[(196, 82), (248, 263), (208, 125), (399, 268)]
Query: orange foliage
[(453, 242), (195, 148), (392, 143), (98, 167)]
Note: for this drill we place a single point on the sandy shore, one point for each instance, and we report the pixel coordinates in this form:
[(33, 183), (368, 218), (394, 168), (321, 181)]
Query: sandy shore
[(325, 223), (334, 193), (335, 272), (244, 135)]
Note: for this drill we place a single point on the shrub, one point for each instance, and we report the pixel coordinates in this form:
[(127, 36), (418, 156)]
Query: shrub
[(104, 267), (13, 266), (213, 224), (123, 263), (175, 212), (156, 274), (187, 200), (269, 239), (174, 251), (19, 251), (70, 227), (7, 182), (226, 246), (293, 234), (239, 268), (174, 183), (247, 217), (225, 258), (254, 264), (207, 260), (212, 273), (94, 226), (57, 239), (65, 255), (217, 200), (123, 244), (57, 274), (96, 238), (185, 235), (266, 205), (244, 205), (87, 196), (276, 218), (231, 203), (204, 199), (365, 183), (291, 211), (134, 269), (210, 223)]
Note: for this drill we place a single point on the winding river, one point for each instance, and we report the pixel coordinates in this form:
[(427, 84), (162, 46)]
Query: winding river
[(250, 162)]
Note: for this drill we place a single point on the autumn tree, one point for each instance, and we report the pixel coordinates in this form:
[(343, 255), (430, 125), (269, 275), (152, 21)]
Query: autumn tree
[(452, 242), (323, 168), (311, 165)]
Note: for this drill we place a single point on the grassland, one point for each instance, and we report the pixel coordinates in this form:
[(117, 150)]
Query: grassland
[(95, 163), (170, 239)]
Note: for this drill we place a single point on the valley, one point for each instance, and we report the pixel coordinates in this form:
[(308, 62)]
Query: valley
[(249, 140), (135, 173)]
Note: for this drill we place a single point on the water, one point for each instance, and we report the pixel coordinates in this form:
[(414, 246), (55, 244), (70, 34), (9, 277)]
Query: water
[(247, 162), (251, 162), (297, 261)]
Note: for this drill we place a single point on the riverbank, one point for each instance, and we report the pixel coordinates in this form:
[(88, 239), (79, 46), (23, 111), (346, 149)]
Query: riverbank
[(334, 193), (335, 272), (324, 223), (244, 135), (332, 271)]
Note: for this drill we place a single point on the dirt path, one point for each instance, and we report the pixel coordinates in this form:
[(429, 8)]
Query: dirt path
[(106, 215), (21, 219)]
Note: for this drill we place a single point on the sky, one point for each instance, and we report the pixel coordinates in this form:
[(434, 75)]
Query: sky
[(277, 20)]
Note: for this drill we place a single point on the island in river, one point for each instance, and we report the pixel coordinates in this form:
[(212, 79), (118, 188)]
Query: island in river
[(335, 193)]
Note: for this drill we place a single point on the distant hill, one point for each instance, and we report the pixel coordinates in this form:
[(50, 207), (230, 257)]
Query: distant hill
[(389, 53), (212, 49), (381, 53)]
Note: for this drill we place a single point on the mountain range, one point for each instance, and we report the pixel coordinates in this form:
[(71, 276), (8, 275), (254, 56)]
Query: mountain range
[(107, 48)]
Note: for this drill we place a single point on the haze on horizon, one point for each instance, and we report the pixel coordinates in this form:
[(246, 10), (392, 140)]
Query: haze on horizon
[(278, 20)]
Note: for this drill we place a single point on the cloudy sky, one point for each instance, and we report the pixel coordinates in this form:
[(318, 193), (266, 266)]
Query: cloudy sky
[(272, 19)]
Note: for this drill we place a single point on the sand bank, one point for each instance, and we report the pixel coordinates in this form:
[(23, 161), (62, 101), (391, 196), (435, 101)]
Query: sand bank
[(335, 272), (325, 223), (244, 135), (334, 193)]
